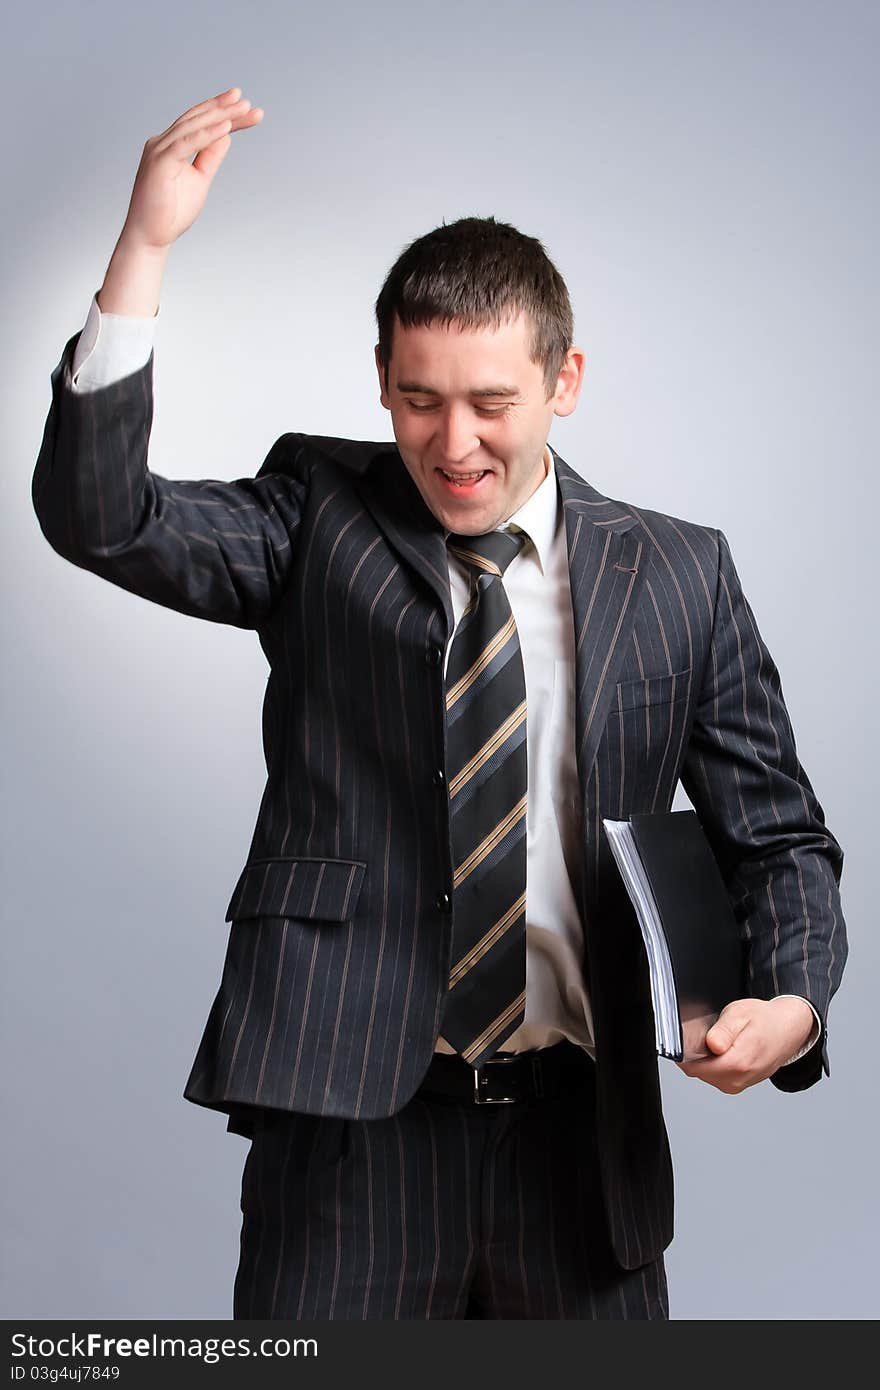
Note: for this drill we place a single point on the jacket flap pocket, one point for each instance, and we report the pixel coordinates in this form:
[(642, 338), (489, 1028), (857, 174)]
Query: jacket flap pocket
[(653, 690), (323, 889)]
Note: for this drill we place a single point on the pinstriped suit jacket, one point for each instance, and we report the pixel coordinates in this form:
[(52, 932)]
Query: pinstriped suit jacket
[(338, 953)]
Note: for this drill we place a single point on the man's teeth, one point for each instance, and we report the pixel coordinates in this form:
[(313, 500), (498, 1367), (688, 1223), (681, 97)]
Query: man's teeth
[(462, 477)]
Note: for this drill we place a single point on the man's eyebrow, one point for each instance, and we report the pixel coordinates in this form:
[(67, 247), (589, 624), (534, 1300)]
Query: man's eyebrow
[(413, 388)]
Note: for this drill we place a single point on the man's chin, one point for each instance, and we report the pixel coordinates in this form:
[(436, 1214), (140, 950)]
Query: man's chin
[(467, 521), (472, 526)]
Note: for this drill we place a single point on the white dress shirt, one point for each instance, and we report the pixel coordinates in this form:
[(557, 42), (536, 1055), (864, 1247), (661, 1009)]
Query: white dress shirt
[(537, 585)]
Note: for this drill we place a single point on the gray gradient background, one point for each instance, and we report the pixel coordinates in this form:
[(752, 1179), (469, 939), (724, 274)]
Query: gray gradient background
[(704, 175)]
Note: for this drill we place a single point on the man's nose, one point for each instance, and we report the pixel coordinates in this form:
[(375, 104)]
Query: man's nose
[(457, 437)]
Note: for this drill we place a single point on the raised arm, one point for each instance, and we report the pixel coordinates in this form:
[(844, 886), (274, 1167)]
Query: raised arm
[(211, 549)]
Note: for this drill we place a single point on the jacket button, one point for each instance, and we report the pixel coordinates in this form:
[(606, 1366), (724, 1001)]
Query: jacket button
[(443, 901), (437, 777), (433, 655)]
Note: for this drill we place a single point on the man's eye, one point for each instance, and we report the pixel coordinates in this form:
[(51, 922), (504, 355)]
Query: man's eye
[(420, 407)]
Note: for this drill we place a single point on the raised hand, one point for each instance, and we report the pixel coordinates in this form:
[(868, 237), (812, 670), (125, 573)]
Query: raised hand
[(170, 188), (178, 167)]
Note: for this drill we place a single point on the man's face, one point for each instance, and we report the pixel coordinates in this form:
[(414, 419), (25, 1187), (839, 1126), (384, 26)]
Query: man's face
[(471, 401)]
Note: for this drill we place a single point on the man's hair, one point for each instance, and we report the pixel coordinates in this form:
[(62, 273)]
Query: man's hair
[(479, 273)]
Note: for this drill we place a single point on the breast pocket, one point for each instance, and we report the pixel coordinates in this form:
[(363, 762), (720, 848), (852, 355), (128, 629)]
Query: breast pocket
[(643, 742), (651, 690)]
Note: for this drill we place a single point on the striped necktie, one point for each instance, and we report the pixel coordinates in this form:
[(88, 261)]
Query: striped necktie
[(487, 771)]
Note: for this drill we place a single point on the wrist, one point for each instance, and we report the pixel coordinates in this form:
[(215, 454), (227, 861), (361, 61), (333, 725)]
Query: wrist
[(800, 1020), (133, 281)]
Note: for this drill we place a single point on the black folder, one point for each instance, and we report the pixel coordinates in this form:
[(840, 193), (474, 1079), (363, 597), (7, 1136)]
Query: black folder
[(696, 953)]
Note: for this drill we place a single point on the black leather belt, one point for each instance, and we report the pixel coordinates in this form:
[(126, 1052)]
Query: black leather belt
[(510, 1077)]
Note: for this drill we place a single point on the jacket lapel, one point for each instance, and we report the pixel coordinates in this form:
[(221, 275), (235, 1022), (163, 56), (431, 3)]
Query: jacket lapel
[(608, 559), (398, 507)]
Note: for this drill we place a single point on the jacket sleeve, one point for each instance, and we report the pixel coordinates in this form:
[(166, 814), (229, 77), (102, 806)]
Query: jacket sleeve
[(215, 550), (781, 864)]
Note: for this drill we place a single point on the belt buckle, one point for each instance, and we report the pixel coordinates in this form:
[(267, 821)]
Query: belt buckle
[(479, 1076)]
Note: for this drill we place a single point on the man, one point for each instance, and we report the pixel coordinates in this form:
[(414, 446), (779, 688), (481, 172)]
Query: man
[(434, 1020)]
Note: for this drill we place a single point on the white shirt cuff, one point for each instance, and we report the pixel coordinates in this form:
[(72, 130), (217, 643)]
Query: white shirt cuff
[(110, 347), (814, 1033)]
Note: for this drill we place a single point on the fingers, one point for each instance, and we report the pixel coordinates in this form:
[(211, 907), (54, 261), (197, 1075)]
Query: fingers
[(202, 125), (723, 1034), (222, 99), (231, 94), (730, 1024), (731, 1080), (744, 1064), (210, 157), (214, 120)]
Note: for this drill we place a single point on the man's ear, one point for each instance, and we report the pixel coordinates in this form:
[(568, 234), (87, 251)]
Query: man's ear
[(570, 381), (383, 393)]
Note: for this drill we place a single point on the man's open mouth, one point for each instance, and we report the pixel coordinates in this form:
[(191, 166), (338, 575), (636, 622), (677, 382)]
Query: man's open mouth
[(463, 481)]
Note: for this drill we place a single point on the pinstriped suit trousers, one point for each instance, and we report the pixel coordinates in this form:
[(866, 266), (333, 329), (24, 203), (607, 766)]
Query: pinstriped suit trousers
[(443, 1210)]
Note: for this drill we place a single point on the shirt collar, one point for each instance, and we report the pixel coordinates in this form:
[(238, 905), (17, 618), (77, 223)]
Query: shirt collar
[(539, 514)]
